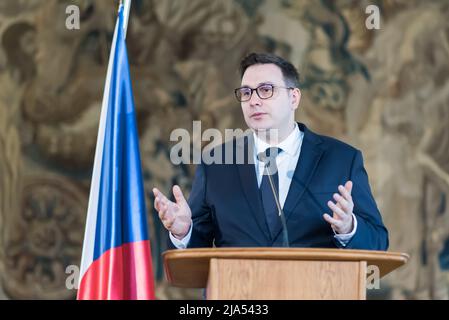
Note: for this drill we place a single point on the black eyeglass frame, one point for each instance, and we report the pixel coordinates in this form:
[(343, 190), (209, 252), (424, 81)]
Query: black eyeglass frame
[(237, 90)]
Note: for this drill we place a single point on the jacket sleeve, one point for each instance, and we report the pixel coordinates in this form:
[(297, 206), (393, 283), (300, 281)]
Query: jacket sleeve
[(371, 233)]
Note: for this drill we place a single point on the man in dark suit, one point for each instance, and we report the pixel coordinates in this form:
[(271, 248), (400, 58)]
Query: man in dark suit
[(237, 204)]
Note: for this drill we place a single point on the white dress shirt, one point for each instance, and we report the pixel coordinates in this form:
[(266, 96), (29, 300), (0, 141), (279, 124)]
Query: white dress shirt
[(286, 163)]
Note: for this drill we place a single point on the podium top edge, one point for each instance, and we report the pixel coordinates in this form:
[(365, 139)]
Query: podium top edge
[(286, 253)]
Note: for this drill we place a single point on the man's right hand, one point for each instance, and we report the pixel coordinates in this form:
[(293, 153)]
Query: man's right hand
[(175, 216)]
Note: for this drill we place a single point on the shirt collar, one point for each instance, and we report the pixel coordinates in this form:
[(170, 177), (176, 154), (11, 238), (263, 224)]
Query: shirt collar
[(289, 145)]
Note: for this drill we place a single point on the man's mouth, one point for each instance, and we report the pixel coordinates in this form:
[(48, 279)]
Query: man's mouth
[(257, 114)]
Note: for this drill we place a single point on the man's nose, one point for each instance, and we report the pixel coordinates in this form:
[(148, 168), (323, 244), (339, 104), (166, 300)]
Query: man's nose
[(255, 100)]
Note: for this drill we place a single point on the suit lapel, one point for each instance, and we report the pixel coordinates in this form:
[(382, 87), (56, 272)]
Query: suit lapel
[(309, 157), (248, 179)]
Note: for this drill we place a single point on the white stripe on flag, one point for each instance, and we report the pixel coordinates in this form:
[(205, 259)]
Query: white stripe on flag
[(89, 235)]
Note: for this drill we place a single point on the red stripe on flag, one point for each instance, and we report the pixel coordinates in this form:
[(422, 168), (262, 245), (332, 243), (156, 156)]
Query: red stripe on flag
[(122, 273)]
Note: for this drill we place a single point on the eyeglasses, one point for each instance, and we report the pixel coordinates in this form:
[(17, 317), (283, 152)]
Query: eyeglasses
[(264, 91)]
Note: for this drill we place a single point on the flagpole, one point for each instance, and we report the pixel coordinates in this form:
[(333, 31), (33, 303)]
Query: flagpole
[(127, 8)]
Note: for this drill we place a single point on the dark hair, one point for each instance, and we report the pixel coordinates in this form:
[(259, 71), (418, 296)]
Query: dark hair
[(291, 76)]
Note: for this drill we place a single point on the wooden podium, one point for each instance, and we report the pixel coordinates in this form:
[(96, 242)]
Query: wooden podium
[(277, 273)]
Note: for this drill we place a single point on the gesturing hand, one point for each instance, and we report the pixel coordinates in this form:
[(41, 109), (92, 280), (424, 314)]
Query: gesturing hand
[(341, 221), (175, 216)]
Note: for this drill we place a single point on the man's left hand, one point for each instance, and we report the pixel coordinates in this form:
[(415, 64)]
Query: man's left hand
[(341, 221)]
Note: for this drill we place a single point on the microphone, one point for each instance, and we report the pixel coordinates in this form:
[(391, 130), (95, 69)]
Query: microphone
[(271, 169)]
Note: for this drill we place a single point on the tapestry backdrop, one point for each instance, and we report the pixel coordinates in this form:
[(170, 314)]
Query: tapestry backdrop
[(385, 91)]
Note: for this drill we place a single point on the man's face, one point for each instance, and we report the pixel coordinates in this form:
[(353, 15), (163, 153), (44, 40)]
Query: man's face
[(276, 112)]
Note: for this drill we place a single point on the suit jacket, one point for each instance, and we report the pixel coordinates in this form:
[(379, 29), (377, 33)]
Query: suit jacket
[(227, 208)]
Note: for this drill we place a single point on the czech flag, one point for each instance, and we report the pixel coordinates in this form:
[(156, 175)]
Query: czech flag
[(116, 261)]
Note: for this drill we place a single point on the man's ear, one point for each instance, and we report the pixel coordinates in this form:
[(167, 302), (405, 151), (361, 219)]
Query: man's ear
[(296, 98)]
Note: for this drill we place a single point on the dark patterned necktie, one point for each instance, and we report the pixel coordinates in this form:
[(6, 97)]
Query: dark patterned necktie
[(266, 191)]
